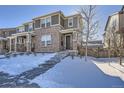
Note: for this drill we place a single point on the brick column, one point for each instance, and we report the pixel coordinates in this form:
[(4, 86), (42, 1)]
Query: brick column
[(28, 42), (15, 43), (10, 45), (74, 41)]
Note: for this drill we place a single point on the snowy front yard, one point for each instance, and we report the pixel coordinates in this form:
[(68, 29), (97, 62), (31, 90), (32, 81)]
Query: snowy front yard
[(20, 63), (111, 67), (54, 71), (76, 73)]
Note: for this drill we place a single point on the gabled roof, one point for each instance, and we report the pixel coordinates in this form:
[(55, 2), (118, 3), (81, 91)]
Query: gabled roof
[(120, 12), (58, 12), (109, 19)]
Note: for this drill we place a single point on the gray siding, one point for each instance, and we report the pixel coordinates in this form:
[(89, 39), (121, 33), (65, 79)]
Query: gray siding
[(62, 21), (55, 19), (66, 24), (75, 23)]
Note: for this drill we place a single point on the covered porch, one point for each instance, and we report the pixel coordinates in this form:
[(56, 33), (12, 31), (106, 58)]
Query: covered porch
[(22, 42), (69, 39), (3, 45)]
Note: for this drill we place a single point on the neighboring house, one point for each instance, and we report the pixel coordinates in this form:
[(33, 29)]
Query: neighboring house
[(4, 33), (48, 33), (114, 30)]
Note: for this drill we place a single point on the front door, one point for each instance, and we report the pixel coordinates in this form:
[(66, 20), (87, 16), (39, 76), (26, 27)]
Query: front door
[(68, 42)]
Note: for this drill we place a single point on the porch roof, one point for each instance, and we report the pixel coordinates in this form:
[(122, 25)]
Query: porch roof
[(23, 33), (68, 31)]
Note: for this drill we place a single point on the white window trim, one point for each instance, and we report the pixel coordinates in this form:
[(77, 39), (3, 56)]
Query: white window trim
[(45, 21), (50, 20), (45, 41), (71, 18), (41, 22)]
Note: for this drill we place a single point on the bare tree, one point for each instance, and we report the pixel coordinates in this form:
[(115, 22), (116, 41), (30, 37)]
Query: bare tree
[(90, 24)]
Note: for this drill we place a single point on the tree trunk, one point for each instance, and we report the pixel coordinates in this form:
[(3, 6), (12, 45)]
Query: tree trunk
[(109, 51), (87, 36), (86, 52), (120, 61)]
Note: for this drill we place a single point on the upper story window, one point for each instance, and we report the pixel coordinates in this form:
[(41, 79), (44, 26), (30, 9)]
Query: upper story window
[(30, 25), (26, 28), (55, 19), (4, 34), (48, 21), (42, 22), (21, 29), (37, 23), (70, 22)]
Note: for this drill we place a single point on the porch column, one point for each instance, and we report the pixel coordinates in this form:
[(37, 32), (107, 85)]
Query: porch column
[(15, 43), (74, 41), (1, 46), (10, 45), (28, 42)]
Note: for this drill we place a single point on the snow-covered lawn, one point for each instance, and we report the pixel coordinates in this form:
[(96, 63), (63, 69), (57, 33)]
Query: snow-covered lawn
[(2, 56), (111, 67), (21, 63), (76, 73)]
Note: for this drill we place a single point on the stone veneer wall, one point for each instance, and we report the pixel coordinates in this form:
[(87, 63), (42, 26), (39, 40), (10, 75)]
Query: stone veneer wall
[(75, 41), (56, 39), (1, 48)]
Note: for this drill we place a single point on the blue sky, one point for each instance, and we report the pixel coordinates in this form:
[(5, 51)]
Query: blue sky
[(12, 16)]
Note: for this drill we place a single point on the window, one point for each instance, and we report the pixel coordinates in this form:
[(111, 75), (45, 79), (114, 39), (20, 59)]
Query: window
[(30, 27), (37, 23), (42, 22), (46, 40), (26, 28), (17, 30), (21, 29), (48, 22), (70, 22)]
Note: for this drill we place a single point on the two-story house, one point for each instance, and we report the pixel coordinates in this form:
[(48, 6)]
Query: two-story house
[(47, 33), (114, 30)]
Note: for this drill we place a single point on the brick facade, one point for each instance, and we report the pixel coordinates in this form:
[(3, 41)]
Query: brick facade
[(55, 35)]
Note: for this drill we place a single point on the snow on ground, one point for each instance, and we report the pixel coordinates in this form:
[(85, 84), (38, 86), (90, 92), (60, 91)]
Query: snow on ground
[(2, 56), (76, 73), (111, 68), (21, 63)]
